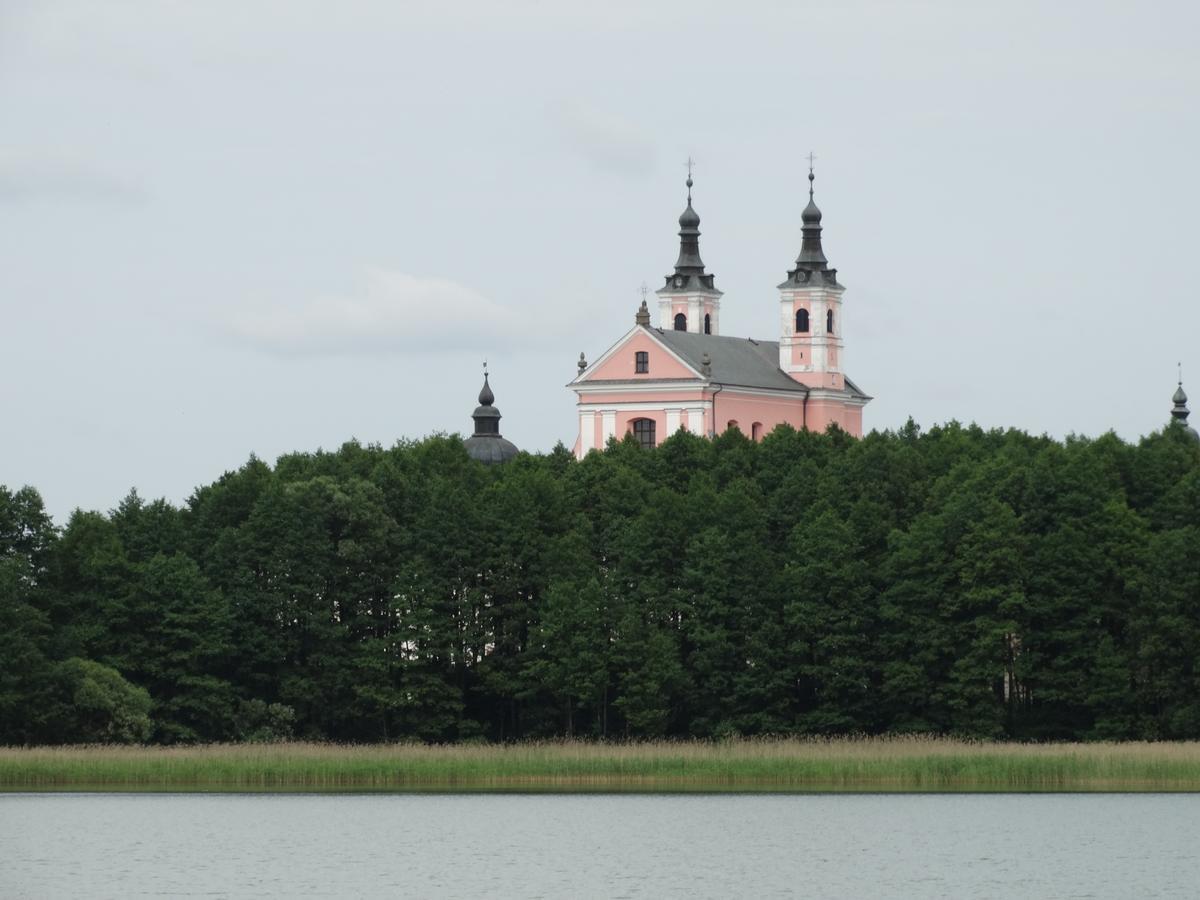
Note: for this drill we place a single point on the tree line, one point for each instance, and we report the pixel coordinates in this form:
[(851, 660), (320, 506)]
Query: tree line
[(956, 580)]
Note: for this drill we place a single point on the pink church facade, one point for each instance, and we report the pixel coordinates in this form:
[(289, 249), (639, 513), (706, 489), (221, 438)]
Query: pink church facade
[(681, 373)]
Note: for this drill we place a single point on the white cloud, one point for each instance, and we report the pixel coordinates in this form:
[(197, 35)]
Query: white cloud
[(608, 141), (393, 311)]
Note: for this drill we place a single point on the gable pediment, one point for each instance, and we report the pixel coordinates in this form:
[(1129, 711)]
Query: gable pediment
[(619, 362)]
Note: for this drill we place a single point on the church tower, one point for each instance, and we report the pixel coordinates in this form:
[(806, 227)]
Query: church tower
[(487, 445), (689, 301), (810, 302), (1180, 412)]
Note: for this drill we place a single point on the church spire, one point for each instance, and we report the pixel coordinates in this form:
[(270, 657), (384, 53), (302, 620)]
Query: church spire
[(812, 268), (689, 301), (689, 262), (812, 256), (1180, 411), (486, 444), (486, 416)]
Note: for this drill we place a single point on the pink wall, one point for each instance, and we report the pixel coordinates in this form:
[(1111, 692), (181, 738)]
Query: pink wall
[(625, 423), (823, 412), (748, 409), (621, 364), (833, 380)]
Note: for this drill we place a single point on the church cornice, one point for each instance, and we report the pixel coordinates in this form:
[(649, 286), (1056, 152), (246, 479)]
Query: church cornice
[(671, 291), (812, 279)]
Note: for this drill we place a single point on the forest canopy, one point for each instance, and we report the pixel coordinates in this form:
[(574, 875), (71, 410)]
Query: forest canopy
[(954, 581)]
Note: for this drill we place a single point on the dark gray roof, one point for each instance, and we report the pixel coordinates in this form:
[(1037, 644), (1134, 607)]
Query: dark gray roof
[(490, 448), (811, 265), (737, 361), (689, 272)]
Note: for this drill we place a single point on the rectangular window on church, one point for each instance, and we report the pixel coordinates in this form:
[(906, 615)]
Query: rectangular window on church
[(641, 362)]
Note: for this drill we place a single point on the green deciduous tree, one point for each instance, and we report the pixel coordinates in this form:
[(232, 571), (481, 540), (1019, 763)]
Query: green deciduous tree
[(953, 580)]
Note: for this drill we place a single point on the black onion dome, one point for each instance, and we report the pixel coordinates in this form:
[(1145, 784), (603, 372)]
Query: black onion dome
[(486, 397), (812, 213), (689, 267), (689, 218), (1180, 412), (812, 267), (486, 445)]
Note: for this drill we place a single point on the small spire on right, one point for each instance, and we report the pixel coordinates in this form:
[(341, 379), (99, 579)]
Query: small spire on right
[(1180, 411)]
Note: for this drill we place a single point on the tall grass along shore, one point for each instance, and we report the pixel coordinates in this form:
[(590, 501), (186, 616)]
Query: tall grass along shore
[(795, 765)]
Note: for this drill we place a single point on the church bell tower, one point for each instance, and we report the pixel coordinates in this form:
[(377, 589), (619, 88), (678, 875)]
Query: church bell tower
[(810, 302)]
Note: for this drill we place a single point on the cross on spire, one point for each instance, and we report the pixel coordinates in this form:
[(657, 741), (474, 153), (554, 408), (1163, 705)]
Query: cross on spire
[(812, 157), (644, 289), (485, 371), (690, 165)]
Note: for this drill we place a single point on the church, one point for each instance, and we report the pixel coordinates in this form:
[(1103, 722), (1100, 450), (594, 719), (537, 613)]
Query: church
[(681, 372)]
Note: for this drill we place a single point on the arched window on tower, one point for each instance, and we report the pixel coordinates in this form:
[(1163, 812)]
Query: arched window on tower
[(707, 323), (801, 321), (680, 322), (829, 320), (643, 432)]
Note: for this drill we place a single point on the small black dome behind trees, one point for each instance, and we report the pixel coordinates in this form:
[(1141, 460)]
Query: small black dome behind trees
[(486, 445), (1180, 412)]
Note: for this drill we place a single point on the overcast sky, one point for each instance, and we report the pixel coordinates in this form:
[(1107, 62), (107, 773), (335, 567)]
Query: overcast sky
[(236, 227)]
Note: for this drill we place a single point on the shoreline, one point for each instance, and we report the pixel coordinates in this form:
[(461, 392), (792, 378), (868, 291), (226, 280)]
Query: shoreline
[(786, 765)]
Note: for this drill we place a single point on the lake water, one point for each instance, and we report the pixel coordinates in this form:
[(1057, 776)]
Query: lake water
[(423, 845)]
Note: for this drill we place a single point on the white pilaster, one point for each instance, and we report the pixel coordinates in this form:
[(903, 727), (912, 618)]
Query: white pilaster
[(666, 317), (819, 357), (672, 421), (587, 431), (608, 425)]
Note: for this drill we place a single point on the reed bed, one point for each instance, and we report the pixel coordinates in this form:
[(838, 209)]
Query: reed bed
[(788, 765)]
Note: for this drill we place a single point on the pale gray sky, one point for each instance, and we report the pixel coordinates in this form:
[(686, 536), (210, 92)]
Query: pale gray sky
[(235, 227)]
